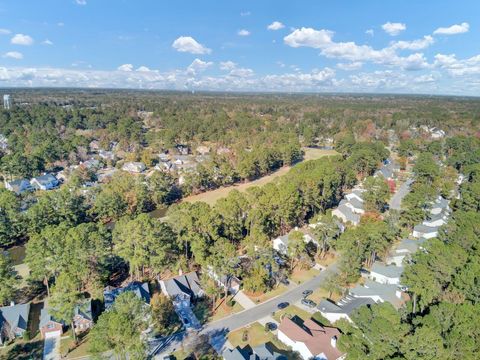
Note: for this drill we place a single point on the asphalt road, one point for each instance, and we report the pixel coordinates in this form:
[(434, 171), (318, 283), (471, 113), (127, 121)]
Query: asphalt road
[(396, 200), (218, 330)]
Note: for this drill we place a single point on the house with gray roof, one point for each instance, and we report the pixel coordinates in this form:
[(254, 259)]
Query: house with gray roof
[(440, 205), (45, 182), (379, 293), (343, 308), (423, 231), (141, 290), (346, 214), (404, 250), (260, 352), (134, 167), (83, 316), (49, 326), (18, 186), (386, 274), (436, 220), (184, 287), (13, 321)]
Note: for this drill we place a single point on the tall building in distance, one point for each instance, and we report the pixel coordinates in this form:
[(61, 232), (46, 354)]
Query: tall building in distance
[(7, 104)]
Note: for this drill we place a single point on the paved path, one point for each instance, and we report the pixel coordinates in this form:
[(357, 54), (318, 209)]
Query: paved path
[(218, 330), (396, 200), (51, 348)]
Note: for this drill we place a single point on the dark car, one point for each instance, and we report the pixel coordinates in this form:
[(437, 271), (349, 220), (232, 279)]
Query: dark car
[(284, 281), (270, 326), (308, 303), (307, 293), (186, 321), (283, 305)]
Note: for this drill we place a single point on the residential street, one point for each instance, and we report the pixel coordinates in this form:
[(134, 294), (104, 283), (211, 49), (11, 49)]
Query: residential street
[(396, 200), (218, 330)]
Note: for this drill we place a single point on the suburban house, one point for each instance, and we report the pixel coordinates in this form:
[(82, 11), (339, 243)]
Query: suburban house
[(134, 167), (281, 243), (343, 308), (49, 327), (18, 186), (354, 204), (13, 321), (346, 214), (106, 155), (230, 282), (436, 220), (45, 182), (355, 194), (436, 133), (310, 339), (403, 251), (386, 274), (141, 290), (380, 293), (182, 288), (163, 157), (439, 205), (423, 231), (83, 318), (260, 352)]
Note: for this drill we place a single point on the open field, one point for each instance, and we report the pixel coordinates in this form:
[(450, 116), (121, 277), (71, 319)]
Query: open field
[(211, 197)]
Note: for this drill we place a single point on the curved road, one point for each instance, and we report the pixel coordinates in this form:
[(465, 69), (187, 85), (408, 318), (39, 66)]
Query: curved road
[(218, 330)]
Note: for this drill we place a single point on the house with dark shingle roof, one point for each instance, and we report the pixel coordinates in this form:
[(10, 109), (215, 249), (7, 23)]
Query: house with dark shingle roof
[(141, 290), (18, 186), (343, 308), (13, 321), (184, 287), (310, 339), (380, 293), (45, 182), (83, 318), (260, 352)]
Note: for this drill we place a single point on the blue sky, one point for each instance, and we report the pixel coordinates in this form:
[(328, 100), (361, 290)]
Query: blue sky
[(407, 46)]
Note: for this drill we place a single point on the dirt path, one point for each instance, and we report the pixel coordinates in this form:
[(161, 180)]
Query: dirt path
[(211, 197)]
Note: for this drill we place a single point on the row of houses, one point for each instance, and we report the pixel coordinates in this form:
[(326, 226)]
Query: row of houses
[(351, 207), (43, 182), (383, 281)]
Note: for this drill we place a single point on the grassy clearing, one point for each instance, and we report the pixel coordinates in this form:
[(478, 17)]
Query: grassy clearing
[(291, 311), (259, 298), (23, 350), (204, 312), (321, 294), (301, 275), (211, 197), (69, 350)]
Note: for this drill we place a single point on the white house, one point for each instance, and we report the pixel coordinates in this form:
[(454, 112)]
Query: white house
[(355, 194), (379, 293), (343, 308), (404, 250), (281, 243), (424, 231), (346, 214), (18, 186), (310, 339), (386, 274), (45, 182), (436, 220), (134, 167)]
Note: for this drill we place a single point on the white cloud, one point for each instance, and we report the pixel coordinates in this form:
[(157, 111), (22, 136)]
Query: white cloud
[(415, 61), (227, 65), (190, 45), (456, 67), (13, 55), (125, 67), (81, 2), (350, 66), (370, 32), (242, 72), (245, 13), (418, 44), (5, 32), (47, 42), (143, 68), (60, 24), (198, 66), (276, 25), (453, 30), (21, 39), (243, 32), (393, 29), (308, 37)]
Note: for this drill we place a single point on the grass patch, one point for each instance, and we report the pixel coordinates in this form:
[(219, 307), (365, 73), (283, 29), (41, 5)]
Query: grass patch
[(223, 310), (255, 335), (22, 350), (70, 350), (259, 298), (328, 260), (291, 311), (321, 294), (301, 275)]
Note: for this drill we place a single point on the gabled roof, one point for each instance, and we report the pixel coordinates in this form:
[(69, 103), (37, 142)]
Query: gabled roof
[(188, 284), (16, 315), (45, 179), (140, 290), (389, 271), (345, 306), (408, 245), (349, 214), (424, 229), (386, 292), (46, 317), (357, 204), (84, 309), (317, 338)]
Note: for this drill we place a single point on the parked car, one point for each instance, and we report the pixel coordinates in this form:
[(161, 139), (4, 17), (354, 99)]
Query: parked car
[(309, 303), (270, 326), (283, 305), (307, 293), (284, 281)]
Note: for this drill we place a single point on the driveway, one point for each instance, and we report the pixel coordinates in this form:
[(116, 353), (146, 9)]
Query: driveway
[(188, 318), (51, 348)]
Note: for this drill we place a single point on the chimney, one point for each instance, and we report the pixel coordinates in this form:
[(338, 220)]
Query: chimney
[(333, 341), (296, 228), (12, 303), (398, 294)]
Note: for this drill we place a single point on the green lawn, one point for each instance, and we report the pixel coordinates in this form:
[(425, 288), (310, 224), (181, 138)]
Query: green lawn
[(68, 349), (291, 310), (259, 298)]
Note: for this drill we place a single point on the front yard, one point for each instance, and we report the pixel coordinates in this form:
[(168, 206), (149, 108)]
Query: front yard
[(291, 310), (259, 298), (68, 349), (301, 275), (204, 312)]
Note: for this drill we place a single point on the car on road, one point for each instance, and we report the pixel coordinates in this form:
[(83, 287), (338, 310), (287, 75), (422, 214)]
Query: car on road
[(307, 293), (309, 303), (186, 321), (283, 305)]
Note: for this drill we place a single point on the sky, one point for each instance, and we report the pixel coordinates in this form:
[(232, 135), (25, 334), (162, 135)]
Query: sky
[(365, 46)]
